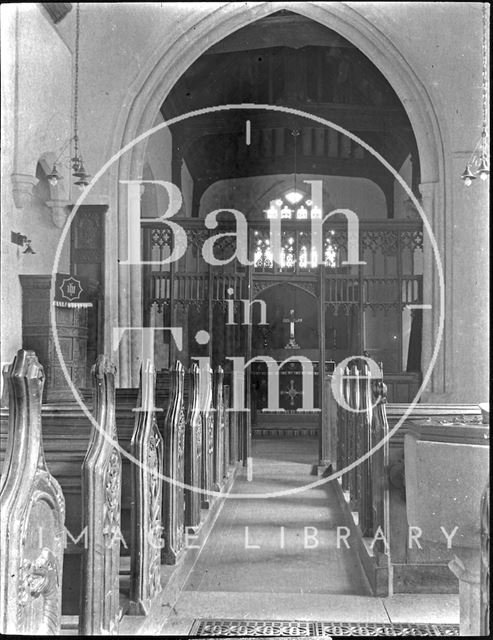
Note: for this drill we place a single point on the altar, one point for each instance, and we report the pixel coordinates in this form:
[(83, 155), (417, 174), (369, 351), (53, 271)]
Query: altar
[(294, 380), (290, 419)]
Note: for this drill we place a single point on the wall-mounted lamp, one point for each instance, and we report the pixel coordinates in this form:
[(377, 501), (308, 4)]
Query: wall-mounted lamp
[(21, 240)]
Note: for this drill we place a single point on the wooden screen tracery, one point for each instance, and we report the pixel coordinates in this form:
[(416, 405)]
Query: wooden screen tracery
[(377, 295)]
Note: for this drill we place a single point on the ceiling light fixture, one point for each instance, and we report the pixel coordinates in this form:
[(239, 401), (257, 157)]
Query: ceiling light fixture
[(294, 196), (76, 161)]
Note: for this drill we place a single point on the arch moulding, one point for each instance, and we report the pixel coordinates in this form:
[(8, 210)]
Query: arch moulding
[(165, 65)]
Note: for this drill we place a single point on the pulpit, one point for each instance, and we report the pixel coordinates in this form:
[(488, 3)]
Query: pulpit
[(72, 328)]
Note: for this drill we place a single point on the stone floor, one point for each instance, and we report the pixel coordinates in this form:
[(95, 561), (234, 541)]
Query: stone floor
[(267, 579), (265, 572)]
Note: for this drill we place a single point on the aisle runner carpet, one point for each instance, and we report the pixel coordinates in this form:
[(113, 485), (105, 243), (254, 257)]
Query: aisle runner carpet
[(268, 565), (293, 629)]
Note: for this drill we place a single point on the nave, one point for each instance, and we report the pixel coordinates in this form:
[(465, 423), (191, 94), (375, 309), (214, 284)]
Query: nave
[(284, 578), (195, 537)]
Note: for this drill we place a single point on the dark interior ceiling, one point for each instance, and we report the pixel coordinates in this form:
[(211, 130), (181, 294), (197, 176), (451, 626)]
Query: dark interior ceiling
[(287, 60)]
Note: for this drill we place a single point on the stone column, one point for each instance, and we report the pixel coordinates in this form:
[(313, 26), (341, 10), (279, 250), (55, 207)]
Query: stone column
[(431, 294), (469, 285)]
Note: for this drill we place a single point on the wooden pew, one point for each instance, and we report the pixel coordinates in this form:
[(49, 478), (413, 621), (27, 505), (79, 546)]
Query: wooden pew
[(377, 489), (226, 446), (365, 443), (101, 507), (32, 509), (174, 462), (361, 425), (193, 451), (218, 408), (373, 493), (234, 425), (207, 439), (67, 454), (484, 605), (146, 448)]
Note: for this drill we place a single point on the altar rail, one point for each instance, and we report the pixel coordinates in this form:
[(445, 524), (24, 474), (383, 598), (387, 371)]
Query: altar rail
[(111, 504)]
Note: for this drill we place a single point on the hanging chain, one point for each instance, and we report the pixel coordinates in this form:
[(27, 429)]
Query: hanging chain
[(295, 133), (484, 134), (485, 73), (76, 87)]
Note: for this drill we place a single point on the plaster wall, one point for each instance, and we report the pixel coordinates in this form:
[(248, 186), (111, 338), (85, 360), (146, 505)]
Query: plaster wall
[(36, 106), (158, 157), (252, 195)]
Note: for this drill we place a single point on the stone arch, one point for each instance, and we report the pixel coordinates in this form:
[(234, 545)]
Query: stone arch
[(167, 63)]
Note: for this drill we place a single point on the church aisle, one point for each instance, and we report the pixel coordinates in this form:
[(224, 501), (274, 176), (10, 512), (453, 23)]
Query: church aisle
[(230, 582), (285, 544)]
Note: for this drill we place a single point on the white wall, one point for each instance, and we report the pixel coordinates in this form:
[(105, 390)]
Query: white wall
[(158, 156), (186, 190), (36, 105), (252, 195), (403, 209)]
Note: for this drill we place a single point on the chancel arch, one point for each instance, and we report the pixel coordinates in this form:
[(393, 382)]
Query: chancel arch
[(156, 85)]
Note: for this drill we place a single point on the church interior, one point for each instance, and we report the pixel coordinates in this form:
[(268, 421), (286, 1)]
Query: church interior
[(244, 349)]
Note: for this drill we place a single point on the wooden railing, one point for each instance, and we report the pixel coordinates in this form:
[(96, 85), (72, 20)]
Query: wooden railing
[(137, 509)]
